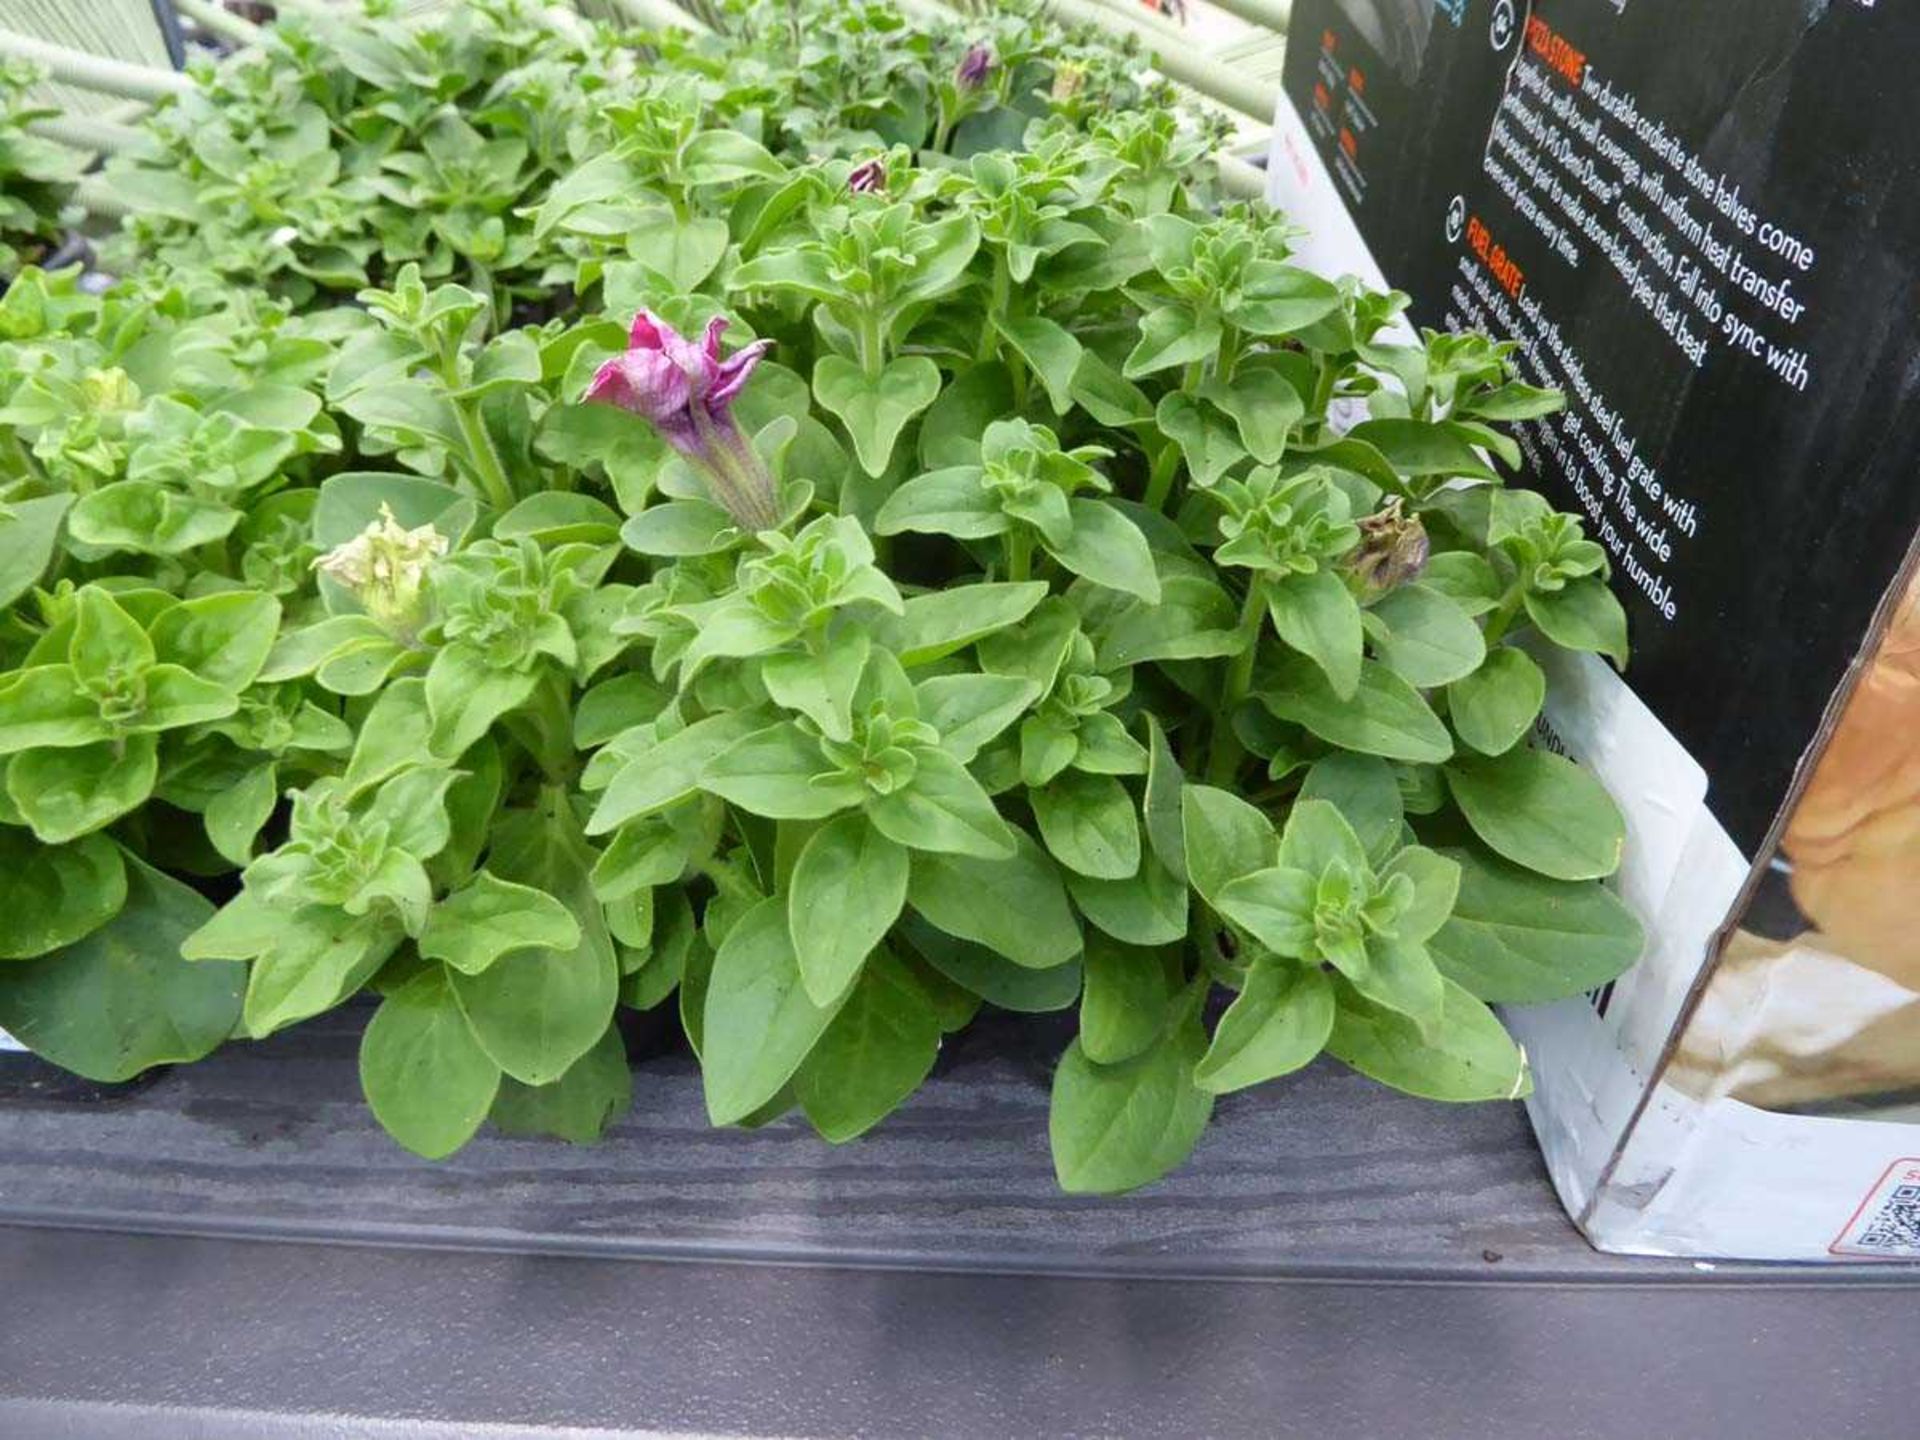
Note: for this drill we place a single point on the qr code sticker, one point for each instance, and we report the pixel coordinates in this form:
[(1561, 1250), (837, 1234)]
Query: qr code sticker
[(1887, 1224)]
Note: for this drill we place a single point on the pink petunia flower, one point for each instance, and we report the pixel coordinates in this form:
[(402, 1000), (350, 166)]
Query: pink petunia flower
[(685, 390)]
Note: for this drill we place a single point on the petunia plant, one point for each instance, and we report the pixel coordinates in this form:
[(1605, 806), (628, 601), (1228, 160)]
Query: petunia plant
[(808, 531)]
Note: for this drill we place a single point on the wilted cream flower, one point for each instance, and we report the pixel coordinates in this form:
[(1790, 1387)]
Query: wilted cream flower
[(385, 567), (1392, 550)]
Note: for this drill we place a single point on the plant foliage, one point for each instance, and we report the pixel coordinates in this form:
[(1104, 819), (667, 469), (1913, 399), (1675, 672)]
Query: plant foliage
[(1044, 594)]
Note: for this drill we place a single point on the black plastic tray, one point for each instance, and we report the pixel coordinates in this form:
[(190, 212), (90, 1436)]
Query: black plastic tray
[(1337, 1260)]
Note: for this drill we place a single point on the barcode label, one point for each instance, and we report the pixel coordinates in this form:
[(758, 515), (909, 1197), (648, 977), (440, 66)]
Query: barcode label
[(1887, 1224)]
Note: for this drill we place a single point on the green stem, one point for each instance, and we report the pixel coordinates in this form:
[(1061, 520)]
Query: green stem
[(1323, 389), (1503, 615), (483, 458), (1166, 465), (1228, 354), (1225, 752), (23, 457), (873, 343), (1019, 544), (996, 307)]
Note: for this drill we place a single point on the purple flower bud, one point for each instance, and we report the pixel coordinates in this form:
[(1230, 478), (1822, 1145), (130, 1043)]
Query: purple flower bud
[(685, 391), (974, 66), (868, 177)]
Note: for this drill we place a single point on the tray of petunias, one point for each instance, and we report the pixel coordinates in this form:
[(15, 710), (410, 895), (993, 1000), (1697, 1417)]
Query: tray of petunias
[(883, 577)]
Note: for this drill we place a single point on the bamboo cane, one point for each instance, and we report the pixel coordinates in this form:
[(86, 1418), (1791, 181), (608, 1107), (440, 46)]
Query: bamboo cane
[(219, 21), (1237, 177), (1275, 15), (1212, 79), (115, 77), (86, 132), (659, 15)]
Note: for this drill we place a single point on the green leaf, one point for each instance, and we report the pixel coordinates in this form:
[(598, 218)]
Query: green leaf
[(1463, 1054), (1275, 906), (53, 895), (1147, 909), (1207, 439), (1124, 1006), (537, 1010), (759, 1023), (1117, 1127), (1279, 299), (45, 706), (1165, 799), (1366, 792), (973, 399), (726, 157), (677, 528), (1385, 715), (1582, 615), (875, 408), (177, 697), (1398, 975), (426, 1078), (1105, 394), (222, 638), (1317, 615), (304, 961), (1264, 407), (979, 971), (1465, 578), (1280, 1020), (64, 794), (465, 694), (1517, 938), (236, 815), (1436, 882), (943, 808), (936, 625), (1317, 836), (149, 518), (820, 686), (392, 736), (1225, 838), (1106, 547), (970, 710), (596, 1090), (1172, 335), (28, 532), (1195, 619), (941, 253), (106, 639), (681, 250), (1050, 352), (1497, 704), (120, 1000), (1015, 907), (944, 502), (1089, 823), (1423, 447), (1542, 811), (488, 916), (658, 775), (846, 891), (559, 517), (1430, 639), (876, 1052), (780, 773)]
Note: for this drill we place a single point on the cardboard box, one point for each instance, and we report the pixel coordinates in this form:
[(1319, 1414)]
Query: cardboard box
[(1703, 224)]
